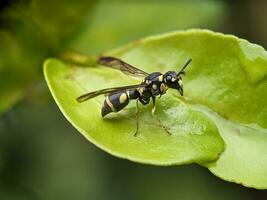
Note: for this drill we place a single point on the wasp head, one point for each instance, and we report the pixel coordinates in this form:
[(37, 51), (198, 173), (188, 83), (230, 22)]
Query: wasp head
[(174, 79)]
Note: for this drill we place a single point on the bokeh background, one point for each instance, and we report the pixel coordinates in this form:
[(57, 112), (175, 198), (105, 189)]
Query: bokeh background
[(41, 155)]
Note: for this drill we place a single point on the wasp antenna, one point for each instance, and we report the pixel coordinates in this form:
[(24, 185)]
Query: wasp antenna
[(81, 99), (181, 72)]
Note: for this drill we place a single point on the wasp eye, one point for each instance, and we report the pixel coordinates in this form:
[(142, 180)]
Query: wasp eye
[(169, 78)]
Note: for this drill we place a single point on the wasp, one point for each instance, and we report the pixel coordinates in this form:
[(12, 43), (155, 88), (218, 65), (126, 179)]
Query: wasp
[(153, 85)]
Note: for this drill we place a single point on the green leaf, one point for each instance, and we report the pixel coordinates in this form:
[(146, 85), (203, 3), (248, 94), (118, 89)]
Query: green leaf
[(228, 76), (244, 160), (194, 139), (226, 83)]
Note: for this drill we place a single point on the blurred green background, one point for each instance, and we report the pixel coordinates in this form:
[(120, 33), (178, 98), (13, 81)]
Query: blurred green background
[(41, 155)]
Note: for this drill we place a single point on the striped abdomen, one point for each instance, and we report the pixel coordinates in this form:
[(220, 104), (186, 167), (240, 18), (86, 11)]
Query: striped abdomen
[(116, 101)]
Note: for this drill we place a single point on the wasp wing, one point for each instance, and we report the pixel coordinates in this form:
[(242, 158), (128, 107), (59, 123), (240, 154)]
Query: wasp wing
[(93, 94), (122, 66)]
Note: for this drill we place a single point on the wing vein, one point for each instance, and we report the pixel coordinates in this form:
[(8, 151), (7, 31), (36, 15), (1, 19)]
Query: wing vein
[(124, 67), (93, 94)]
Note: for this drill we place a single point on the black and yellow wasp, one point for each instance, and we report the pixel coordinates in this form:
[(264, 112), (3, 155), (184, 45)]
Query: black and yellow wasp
[(153, 85)]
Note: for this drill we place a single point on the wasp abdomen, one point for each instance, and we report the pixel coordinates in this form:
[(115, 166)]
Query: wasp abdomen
[(116, 101)]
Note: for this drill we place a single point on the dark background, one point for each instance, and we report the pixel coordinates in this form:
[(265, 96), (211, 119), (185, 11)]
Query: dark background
[(41, 155)]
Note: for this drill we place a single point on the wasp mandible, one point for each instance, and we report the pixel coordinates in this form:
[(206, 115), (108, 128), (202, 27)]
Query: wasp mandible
[(153, 85)]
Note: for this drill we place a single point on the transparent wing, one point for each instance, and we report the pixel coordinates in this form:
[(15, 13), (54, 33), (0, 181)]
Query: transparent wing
[(122, 66), (93, 94)]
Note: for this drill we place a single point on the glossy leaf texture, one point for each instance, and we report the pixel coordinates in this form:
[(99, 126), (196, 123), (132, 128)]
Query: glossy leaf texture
[(225, 90)]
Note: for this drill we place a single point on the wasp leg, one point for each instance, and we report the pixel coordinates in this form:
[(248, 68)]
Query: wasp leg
[(153, 114), (137, 118)]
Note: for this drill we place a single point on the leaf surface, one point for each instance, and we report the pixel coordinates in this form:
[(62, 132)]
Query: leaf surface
[(194, 137), (225, 87)]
